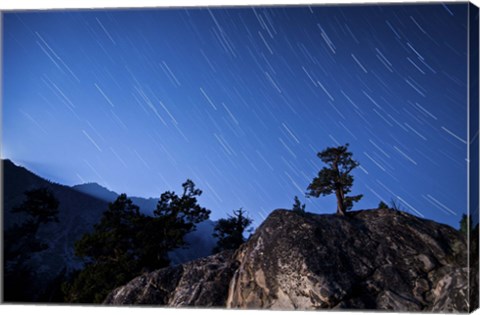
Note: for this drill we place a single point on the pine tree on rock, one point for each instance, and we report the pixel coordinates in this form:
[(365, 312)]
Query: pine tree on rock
[(465, 224), (383, 205), (230, 231), (336, 178), (298, 206)]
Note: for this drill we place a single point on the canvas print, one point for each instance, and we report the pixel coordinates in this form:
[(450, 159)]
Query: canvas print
[(301, 157)]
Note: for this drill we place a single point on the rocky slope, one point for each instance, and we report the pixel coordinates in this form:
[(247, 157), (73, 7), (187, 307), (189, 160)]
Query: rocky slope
[(371, 259)]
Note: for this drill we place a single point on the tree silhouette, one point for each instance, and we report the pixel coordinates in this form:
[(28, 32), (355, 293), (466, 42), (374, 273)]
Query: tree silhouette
[(20, 242), (298, 206), (465, 224), (174, 217), (40, 206), (395, 205), (336, 178), (383, 205), (126, 243), (230, 231), (110, 253)]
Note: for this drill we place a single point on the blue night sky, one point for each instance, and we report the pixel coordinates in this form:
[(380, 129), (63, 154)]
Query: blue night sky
[(240, 100)]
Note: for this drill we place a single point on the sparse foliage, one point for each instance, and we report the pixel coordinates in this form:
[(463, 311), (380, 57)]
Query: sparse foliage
[(298, 206), (230, 231), (383, 205), (465, 224), (336, 178), (395, 205)]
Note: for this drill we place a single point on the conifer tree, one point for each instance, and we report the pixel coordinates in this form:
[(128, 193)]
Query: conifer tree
[(298, 206), (174, 217), (126, 242), (465, 224), (230, 231), (336, 178), (383, 205), (40, 207), (110, 253)]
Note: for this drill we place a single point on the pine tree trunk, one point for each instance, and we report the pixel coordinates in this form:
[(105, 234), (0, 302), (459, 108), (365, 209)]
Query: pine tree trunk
[(340, 204), (339, 191)]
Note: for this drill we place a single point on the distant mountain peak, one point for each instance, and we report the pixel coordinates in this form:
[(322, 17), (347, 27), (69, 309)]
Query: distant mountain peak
[(96, 190), (91, 185)]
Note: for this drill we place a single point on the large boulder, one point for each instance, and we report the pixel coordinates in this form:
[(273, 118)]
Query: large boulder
[(371, 259), (203, 282)]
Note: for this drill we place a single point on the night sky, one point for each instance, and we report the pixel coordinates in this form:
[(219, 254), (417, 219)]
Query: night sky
[(240, 100)]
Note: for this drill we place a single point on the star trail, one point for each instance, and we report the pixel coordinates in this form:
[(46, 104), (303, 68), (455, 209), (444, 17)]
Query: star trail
[(240, 100)]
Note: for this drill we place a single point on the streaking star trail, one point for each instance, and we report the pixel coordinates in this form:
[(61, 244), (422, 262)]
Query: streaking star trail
[(240, 100)]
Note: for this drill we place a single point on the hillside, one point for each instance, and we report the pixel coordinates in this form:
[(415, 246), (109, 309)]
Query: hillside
[(201, 239), (78, 212), (80, 207), (371, 259)]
